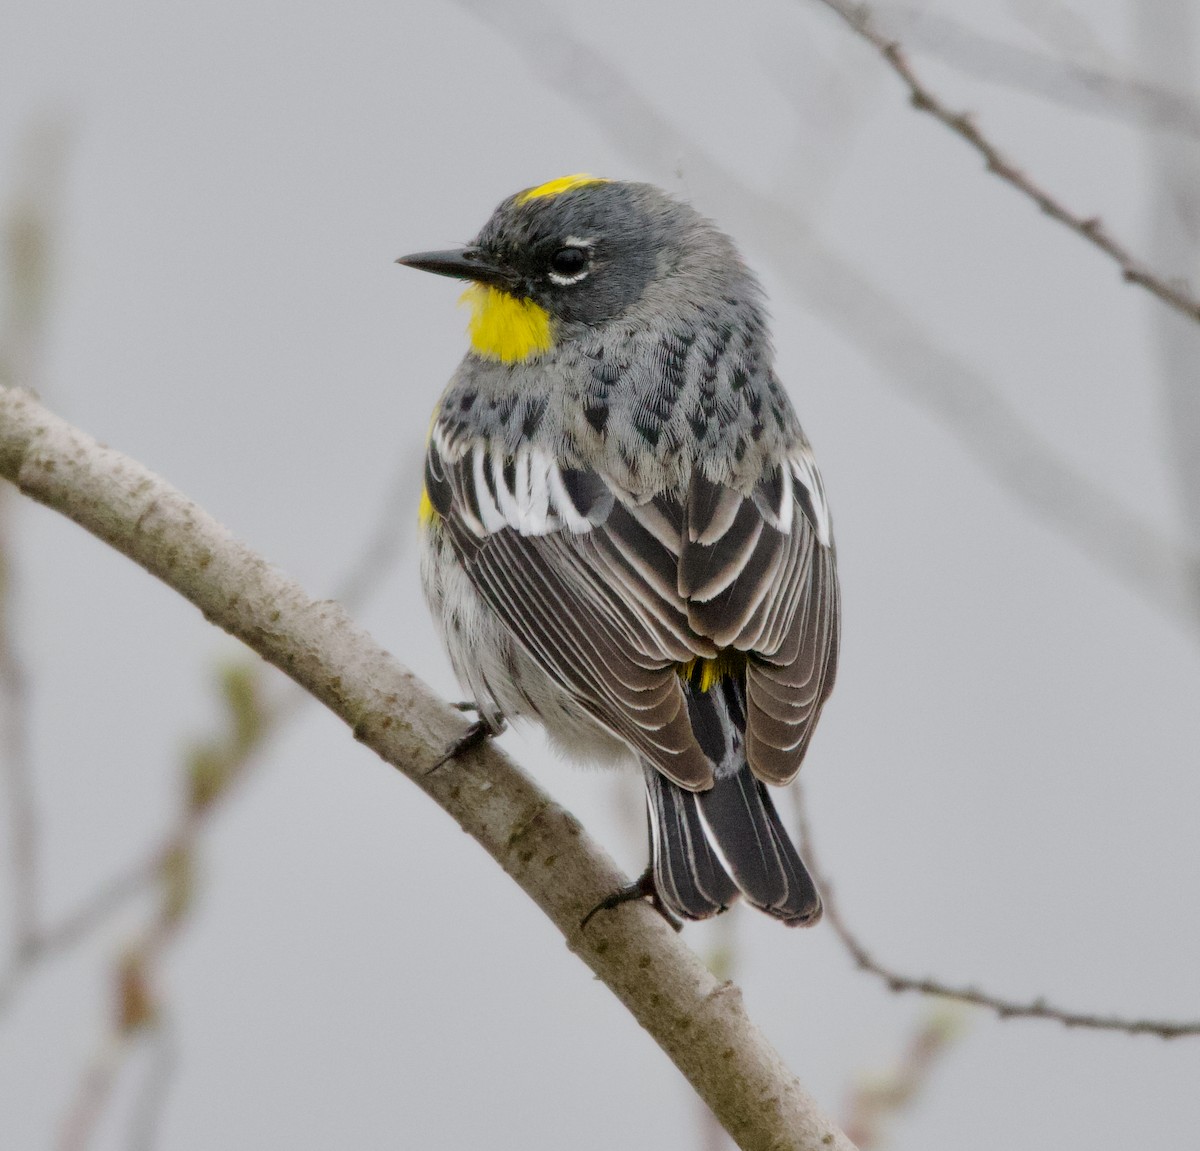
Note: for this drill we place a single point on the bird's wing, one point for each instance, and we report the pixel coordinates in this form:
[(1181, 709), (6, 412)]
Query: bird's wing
[(613, 597), (757, 575), (536, 540)]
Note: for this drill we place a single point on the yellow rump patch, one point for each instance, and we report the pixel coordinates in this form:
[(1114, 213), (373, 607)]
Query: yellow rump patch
[(504, 328), (707, 673), (559, 186)]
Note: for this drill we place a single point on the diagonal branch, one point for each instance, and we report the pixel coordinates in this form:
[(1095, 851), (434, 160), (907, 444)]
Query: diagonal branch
[(1173, 293), (1005, 1008), (1088, 87), (699, 1021)]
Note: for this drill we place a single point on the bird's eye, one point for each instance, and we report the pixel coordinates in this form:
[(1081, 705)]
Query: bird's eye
[(569, 262)]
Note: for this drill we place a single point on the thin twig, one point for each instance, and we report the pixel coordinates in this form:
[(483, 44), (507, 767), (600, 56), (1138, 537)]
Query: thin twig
[(1005, 1008), (1175, 294), (1078, 85)]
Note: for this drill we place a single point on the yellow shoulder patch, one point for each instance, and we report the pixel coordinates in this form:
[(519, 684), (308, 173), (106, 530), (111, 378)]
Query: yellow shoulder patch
[(559, 186), (504, 328), (426, 513)]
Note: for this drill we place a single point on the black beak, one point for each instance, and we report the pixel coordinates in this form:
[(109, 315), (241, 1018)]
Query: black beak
[(461, 264)]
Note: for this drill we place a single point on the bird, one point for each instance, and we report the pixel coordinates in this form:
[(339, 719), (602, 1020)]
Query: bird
[(624, 533)]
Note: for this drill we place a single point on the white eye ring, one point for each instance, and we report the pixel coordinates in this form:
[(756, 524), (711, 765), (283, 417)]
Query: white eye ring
[(565, 281)]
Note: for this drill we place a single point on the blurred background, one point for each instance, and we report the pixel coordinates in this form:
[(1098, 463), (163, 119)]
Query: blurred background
[(228, 925)]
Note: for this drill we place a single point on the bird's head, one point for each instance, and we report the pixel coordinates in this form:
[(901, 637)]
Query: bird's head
[(571, 255)]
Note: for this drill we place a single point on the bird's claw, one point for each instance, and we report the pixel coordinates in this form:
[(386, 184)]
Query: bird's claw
[(479, 732), (641, 888)]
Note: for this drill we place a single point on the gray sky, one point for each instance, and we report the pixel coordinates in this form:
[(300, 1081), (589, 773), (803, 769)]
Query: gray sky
[(1004, 784)]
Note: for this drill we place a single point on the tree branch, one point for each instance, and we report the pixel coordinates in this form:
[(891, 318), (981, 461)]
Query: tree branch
[(698, 1021), (1102, 91), (1173, 293), (1005, 1008)]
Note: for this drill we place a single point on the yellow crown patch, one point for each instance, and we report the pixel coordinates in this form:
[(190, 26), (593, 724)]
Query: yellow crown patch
[(559, 186)]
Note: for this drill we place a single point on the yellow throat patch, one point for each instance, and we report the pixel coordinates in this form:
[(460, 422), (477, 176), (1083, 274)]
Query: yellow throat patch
[(504, 328)]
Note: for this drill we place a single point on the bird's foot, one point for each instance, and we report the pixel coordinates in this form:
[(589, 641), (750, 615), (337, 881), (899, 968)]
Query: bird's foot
[(479, 732), (641, 888)]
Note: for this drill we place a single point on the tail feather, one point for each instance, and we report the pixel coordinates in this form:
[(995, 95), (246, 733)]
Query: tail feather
[(688, 876), (750, 838), (708, 847), (803, 895)]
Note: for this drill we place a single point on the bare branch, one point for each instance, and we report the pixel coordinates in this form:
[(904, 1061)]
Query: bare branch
[(1175, 294), (1082, 86), (1005, 1008), (698, 1021)]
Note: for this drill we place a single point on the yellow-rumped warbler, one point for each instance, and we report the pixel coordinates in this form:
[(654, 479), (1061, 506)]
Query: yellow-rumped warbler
[(625, 535)]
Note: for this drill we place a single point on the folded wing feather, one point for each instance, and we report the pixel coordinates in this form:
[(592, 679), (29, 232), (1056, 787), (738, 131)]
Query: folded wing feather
[(611, 594)]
